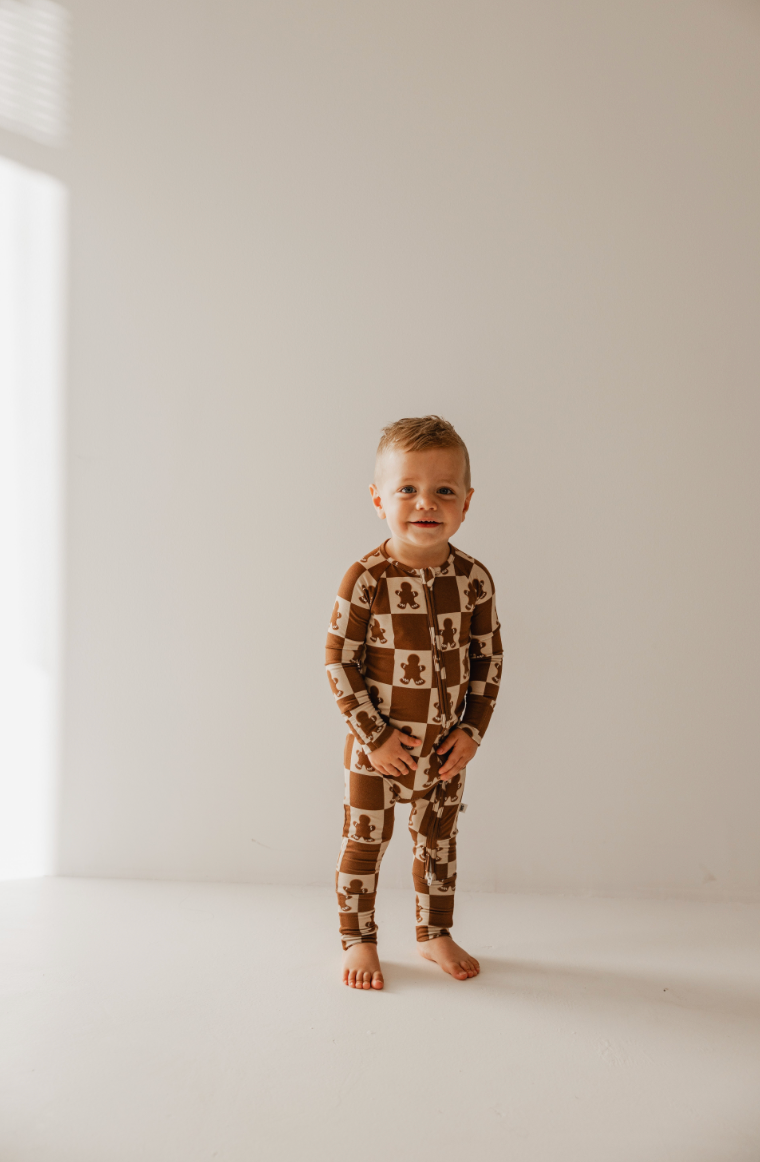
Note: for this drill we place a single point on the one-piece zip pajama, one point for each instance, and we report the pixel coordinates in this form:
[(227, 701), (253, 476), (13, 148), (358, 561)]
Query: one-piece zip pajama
[(418, 650)]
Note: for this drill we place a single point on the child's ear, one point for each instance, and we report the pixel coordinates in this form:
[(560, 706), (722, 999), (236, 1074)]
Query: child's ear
[(377, 500), (467, 500)]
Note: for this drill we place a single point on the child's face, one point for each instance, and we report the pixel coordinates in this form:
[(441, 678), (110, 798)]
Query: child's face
[(422, 495)]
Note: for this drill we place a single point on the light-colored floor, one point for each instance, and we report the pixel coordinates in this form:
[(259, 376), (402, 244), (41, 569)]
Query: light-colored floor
[(186, 1022)]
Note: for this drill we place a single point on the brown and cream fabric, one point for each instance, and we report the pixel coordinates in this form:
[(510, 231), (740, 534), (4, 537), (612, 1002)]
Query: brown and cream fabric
[(418, 650)]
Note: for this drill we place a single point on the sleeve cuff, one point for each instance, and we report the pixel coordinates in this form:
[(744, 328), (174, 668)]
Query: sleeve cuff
[(379, 739)]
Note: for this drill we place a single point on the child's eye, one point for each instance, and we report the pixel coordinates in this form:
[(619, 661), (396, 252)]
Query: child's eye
[(447, 489), (407, 488)]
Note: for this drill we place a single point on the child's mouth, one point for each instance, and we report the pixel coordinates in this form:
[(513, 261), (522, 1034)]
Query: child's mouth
[(426, 524)]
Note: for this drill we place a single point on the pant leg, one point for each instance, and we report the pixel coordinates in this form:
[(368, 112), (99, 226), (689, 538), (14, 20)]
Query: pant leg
[(367, 830), (433, 827)]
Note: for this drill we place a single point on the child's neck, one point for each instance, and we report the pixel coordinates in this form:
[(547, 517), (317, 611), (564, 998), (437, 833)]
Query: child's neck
[(416, 556)]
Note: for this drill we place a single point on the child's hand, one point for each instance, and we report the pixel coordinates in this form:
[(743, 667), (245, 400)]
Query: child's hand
[(460, 748), (391, 758)]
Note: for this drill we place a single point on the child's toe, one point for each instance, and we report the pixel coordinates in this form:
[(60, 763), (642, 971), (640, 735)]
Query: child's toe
[(377, 980)]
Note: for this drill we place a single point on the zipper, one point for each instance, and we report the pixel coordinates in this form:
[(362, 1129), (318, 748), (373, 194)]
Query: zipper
[(438, 798), (443, 700)]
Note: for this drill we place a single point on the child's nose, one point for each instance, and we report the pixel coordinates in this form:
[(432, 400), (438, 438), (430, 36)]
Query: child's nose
[(426, 501)]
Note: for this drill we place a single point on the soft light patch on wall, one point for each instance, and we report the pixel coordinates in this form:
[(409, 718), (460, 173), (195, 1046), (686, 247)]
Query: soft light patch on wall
[(32, 307), (34, 51)]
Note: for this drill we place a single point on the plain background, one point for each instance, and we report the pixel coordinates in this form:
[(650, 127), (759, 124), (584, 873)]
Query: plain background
[(293, 222)]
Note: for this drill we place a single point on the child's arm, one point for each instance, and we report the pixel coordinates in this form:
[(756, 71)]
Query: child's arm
[(345, 647), (486, 658)]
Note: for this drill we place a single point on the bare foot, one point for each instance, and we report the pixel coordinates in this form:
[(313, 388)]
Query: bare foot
[(449, 956), (361, 967)]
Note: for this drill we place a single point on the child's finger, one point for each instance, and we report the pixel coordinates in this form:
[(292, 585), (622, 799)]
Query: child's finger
[(403, 756), (453, 762)]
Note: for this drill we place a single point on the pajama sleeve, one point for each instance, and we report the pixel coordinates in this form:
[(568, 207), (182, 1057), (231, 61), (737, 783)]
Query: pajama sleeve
[(486, 659), (344, 655)]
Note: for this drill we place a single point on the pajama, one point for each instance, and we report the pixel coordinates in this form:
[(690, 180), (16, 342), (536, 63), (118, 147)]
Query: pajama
[(418, 650)]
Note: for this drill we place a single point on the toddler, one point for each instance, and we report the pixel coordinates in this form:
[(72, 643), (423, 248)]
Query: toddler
[(414, 660)]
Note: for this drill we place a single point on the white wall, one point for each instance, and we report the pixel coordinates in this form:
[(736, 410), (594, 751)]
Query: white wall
[(295, 221)]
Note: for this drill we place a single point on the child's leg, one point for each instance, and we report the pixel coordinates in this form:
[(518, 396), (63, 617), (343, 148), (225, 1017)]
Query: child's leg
[(367, 829), (433, 827)]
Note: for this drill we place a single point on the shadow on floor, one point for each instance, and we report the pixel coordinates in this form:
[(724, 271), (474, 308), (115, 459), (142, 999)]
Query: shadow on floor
[(578, 984)]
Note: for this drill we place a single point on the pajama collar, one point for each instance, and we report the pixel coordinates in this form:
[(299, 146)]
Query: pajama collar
[(438, 571)]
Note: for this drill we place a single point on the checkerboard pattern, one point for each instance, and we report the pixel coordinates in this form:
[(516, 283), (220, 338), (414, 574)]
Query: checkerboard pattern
[(369, 807), (418, 650)]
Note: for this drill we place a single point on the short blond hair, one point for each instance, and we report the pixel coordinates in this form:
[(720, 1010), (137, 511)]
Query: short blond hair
[(417, 433)]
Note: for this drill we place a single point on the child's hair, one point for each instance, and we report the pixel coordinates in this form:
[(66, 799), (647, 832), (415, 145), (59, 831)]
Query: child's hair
[(417, 433)]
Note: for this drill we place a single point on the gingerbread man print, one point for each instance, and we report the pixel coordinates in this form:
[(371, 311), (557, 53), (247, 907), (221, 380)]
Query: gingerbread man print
[(430, 776), (406, 596), (497, 673), (364, 595), (364, 828), (366, 723), (412, 671), (474, 591), (363, 763), (355, 888), (451, 790), (338, 693), (449, 634), (336, 616), (395, 791), (377, 633)]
